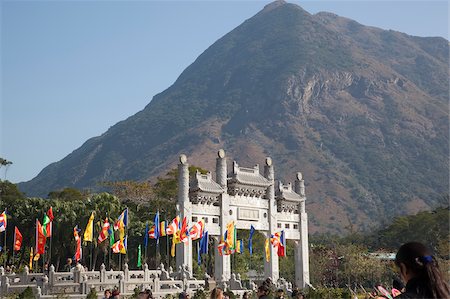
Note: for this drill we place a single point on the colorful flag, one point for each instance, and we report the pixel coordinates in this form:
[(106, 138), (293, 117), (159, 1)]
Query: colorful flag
[(231, 236), (240, 246), (50, 214), (17, 239), (282, 246), (139, 263), (151, 232), (221, 246), (156, 226), (196, 231), (275, 239), (40, 238), (123, 218), (111, 236), (267, 247), (202, 247), (3, 221), (146, 235), (204, 243), (162, 228), (89, 231), (173, 226), (120, 246), (104, 233), (30, 265), (121, 223), (78, 252), (48, 222), (250, 241), (123, 250), (184, 231), (116, 247)]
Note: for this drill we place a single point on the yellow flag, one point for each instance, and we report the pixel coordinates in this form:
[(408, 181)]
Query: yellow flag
[(267, 247), (31, 259), (175, 240), (89, 231), (36, 257)]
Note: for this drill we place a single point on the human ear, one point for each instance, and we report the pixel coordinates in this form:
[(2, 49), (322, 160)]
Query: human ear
[(403, 273)]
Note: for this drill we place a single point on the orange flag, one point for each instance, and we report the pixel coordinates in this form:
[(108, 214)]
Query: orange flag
[(17, 239), (40, 238)]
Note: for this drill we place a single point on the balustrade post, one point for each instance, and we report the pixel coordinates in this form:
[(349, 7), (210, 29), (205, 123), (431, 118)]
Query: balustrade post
[(102, 273), (146, 273), (51, 275), (126, 272), (121, 283)]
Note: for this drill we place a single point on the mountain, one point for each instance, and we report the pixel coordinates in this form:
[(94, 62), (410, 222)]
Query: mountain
[(362, 112)]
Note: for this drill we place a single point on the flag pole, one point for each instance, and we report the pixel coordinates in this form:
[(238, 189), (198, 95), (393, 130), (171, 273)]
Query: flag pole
[(146, 245), (90, 257), (5, 248), (50, 247), (167, 247), (13, 247)]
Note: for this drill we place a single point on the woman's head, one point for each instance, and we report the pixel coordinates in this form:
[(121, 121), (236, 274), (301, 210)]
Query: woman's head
[(216, 293), (415, 260)]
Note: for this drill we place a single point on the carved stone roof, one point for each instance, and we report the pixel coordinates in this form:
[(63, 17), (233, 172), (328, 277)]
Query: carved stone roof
[(248, 176), (205, 183), (285, 192)]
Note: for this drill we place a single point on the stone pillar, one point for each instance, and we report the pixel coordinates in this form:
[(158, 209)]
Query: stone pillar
[(222, 264), (271, 268), (301, 251), (221, 169), (184, 251)]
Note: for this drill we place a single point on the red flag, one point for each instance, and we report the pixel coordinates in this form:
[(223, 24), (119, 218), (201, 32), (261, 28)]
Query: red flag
[(184, 231), (49, 226), (173, 227), (40, 238), (17, 239), (104, 233), (76, 235), (50, 214)]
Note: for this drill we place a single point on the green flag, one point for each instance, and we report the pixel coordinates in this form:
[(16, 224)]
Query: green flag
[(44, 224), (139, 263), (111, 239)]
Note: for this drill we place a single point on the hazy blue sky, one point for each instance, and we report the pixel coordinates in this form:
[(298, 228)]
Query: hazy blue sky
[(72, 69)]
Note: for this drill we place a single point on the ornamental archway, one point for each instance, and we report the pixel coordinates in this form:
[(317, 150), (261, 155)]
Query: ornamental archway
[(248, 198)]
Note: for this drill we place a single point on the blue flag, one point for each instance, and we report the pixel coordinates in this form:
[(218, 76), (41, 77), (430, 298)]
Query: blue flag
[(146, 235), (156, 222), (202, 247), (250, 245)]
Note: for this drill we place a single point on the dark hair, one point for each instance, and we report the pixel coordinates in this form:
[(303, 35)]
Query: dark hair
[(297, 293), (264, 288), (418, 259)]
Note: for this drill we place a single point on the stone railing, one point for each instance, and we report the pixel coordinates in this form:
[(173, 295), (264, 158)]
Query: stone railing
[(78, 283)]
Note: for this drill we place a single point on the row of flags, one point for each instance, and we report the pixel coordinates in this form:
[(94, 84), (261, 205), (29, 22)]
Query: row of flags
[(178, 229), (230, 245)]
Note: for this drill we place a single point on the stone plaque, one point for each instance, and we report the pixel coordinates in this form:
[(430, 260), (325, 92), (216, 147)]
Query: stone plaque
[(248, 214)]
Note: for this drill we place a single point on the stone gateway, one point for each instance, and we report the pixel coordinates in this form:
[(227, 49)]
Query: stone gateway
[(248, 198)]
